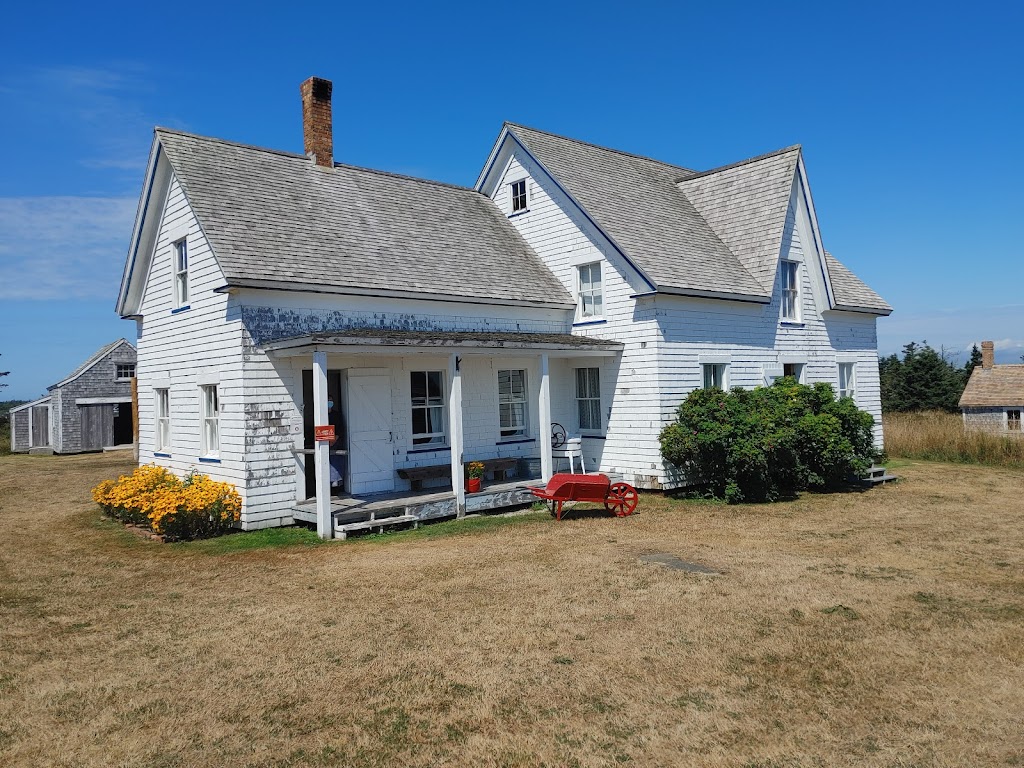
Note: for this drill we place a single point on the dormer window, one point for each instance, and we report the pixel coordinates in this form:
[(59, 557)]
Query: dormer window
[(518, 191), (790, 278)]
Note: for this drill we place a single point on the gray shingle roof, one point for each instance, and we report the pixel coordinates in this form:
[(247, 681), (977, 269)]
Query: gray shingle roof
[(746, 205), (94, 358), (849, 290), (999, 386), (275, 216), (636, 202)]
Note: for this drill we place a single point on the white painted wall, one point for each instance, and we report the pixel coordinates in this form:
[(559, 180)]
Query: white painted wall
[(202, 344)]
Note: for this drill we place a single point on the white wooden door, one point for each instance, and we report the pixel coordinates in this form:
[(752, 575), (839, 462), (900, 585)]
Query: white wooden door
[(370, 453)]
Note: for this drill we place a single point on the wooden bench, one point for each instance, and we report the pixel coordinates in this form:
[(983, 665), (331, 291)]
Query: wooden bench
[(416, 475)]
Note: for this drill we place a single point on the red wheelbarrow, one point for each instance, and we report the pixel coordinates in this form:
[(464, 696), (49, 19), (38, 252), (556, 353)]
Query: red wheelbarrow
[(620, 498)]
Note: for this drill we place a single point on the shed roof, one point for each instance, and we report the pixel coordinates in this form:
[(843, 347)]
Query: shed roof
[(998, 386), (276, 217)]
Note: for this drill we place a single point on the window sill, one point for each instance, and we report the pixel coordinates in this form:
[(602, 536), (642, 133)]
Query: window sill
[(209, 460), (516, 440), (595, 436), (520, 212), (431, 449), (176, 310), (792, 323), (597, 321), (161, 455)]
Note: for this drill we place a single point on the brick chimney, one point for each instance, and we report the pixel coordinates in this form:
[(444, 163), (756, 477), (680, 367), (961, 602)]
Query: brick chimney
[(988, 354), (317, 129)]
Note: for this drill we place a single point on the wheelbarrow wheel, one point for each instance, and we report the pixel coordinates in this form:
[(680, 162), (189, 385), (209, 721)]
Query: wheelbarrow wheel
[(622, 499)]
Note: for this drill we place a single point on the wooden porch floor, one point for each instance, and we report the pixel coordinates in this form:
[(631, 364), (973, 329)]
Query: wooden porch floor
[(375, 510)]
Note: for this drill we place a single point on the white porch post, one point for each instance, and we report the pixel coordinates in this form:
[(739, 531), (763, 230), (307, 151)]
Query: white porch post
[(455, 428), (321, 458), (544, 411)]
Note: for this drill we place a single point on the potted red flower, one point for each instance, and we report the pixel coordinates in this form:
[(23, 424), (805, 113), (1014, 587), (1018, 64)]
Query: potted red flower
[(476, 473)]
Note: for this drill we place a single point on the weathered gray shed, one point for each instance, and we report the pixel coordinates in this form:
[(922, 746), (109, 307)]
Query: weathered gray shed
[(89, 410), (993, 399)]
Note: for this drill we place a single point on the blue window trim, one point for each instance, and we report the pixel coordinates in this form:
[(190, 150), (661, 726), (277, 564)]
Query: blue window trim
[(590, 322), (517, 441), (162, 455), (518, 213), (439, 449), (585, 436), (176, 310), (792, 323), (208, 460)]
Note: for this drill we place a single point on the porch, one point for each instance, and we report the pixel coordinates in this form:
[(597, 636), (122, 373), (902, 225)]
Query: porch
[(404, 410), (382, 510)]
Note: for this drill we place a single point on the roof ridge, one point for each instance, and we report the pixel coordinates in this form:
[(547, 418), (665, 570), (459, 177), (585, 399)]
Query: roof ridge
[(719, 169), (599, 146), (297, 156), (175, 131)]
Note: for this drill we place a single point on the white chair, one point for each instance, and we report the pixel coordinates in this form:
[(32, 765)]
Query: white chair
[(572, 450)]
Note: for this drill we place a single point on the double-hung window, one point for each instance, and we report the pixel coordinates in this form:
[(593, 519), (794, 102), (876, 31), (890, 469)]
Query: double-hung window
[(210, 438), (1013, 420), (512, 403), (428, 421), (588, 398), (125, 371), (181, 273), (714, 375), (790, 278), (163, 419), (589, 295), (847, 380), (517, 190), (794, 370)]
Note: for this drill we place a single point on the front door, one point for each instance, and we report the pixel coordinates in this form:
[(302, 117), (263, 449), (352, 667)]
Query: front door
[(371, 454)]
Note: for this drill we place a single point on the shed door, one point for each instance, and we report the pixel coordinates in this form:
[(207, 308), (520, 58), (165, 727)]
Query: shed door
[(97, 426), (371, 460), (40, 426)]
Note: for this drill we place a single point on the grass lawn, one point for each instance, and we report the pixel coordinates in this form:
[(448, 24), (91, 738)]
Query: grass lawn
[(883, 628)]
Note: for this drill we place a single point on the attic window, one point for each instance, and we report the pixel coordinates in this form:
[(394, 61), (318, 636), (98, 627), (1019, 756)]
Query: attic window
[(180, 273), (518, 195), (790, 290), (125, 371)]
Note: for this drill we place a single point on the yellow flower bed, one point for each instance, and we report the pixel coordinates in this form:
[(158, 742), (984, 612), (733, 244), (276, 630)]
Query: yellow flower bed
[(193, 508)]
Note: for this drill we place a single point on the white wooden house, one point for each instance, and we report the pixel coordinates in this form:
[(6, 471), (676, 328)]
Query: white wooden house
[(573, 284)]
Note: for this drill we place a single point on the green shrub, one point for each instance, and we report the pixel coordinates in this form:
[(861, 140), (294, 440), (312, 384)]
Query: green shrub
[(768, 443)]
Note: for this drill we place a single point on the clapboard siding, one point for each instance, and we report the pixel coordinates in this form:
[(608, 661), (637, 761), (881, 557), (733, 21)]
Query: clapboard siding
[(564, 238), (181, 350)]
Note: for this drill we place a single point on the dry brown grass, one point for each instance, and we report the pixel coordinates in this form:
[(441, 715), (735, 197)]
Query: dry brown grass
[(938, 436), (875, 629)]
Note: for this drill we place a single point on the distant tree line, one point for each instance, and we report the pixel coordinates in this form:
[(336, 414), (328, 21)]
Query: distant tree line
[(924, 379)]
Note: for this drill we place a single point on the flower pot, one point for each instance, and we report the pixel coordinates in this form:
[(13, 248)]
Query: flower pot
[(473, 485)]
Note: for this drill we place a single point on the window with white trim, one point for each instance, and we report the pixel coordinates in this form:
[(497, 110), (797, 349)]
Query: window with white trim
[(847, 380), (517, 190), (1013, 420), (714, 375), (181, 273), (795, 370), (590, 298), (429, 425), (512, 418), (588, 398), (790, 279), (163, 419), (125, 371), (210, 405)]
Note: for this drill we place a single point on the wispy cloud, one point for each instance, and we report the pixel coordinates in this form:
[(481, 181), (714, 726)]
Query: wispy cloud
[(63, 247), (956, 330)]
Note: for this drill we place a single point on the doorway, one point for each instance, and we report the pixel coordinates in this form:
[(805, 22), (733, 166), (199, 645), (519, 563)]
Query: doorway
[(336, 416), (124, 428)]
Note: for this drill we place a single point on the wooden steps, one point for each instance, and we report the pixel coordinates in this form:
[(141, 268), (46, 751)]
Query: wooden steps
[(878, 475)]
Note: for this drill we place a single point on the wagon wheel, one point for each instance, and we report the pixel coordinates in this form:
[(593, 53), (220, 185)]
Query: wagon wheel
[(557, 435), (622, 499)]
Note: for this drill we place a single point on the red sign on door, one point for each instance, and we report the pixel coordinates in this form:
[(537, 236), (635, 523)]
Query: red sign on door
[(324, 434)]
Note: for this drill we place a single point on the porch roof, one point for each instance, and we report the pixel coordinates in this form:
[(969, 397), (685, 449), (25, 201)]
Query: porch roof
[(468, 342)]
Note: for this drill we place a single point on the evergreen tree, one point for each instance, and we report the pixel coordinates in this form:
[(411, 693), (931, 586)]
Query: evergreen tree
[(924, 380), (972, 363)]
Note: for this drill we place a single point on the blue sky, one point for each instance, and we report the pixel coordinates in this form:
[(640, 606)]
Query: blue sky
[(910, 123)]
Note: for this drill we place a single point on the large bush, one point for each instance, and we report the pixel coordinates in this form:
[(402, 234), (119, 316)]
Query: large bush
[(770, 442), (194, 508)]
